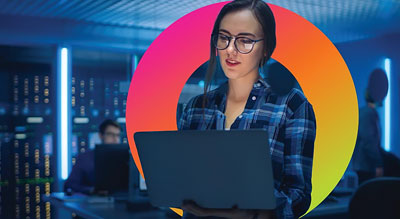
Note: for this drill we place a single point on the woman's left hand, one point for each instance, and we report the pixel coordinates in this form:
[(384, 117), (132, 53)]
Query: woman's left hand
[(233, 213)]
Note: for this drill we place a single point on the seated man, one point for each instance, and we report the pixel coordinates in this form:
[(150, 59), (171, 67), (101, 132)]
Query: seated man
[(82, 177)]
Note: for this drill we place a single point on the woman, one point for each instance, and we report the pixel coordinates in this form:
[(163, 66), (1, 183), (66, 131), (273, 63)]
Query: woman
[(244, 38)]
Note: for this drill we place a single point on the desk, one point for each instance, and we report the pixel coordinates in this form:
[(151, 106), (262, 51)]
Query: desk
[(79, 205), (331, 209)]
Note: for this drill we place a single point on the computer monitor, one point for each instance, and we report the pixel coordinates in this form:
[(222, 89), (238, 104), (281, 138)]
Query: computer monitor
[(112, 167)]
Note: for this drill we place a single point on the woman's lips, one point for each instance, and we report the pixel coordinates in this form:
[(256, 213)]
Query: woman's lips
[(231, 63)]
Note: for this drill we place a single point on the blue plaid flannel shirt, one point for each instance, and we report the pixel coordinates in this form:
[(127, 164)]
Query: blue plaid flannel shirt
[(291, 126)]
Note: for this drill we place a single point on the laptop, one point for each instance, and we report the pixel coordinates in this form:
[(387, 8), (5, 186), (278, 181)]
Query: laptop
[(216, 169)]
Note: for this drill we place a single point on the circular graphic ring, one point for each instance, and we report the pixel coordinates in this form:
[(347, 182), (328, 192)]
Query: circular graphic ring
[(301, 47)]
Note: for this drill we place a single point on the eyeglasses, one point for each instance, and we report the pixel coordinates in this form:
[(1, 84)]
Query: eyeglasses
[(243, 45), (111, 134)]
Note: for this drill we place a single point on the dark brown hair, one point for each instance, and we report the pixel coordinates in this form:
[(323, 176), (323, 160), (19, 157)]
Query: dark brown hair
[(106, 123), (264, 16)]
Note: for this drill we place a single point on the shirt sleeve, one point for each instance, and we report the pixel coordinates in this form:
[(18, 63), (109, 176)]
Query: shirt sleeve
[(185, 119), (294, 194), (75, 179)]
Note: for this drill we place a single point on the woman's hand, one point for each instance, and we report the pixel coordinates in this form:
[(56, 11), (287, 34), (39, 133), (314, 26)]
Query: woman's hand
[(233, 213), (193, 208)]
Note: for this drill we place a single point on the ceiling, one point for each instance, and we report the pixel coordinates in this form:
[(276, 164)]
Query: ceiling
[(340, 20)]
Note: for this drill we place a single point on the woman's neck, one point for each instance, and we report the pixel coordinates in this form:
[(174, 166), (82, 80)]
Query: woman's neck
[(239, 89)]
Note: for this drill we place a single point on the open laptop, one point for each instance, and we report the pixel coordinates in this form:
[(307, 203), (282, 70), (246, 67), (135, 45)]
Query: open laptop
[(216, 169)]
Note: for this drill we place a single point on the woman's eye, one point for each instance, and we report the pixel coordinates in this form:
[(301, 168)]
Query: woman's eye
[(223, 37), (245, 41)]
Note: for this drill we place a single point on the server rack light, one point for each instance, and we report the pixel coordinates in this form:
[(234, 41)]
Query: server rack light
[(387, 63), (64, 108)]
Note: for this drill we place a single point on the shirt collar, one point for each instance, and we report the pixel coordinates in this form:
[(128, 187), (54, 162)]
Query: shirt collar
[(221, 92)]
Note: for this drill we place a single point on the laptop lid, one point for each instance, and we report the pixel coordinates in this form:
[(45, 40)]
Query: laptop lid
[(216, 169)]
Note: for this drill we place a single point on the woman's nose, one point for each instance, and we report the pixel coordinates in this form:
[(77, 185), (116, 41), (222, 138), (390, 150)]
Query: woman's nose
[(231, 47)]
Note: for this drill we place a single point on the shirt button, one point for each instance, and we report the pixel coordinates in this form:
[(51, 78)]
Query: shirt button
[(254, 98), (240, 116)]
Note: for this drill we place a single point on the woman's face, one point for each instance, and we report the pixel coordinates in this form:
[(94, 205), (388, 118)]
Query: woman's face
[(235, 64)]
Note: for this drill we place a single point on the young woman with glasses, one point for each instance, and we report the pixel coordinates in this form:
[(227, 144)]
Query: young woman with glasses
[(244, 39)]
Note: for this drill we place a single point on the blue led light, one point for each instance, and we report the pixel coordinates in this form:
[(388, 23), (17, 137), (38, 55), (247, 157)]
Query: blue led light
[(63, 134), (25, 111), (135, 62), (20, 128), (116, 113), (201, 83), (95, 112), (387, 143)]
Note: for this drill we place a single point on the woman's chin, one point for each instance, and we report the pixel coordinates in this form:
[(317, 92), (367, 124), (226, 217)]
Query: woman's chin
[(232, 75)]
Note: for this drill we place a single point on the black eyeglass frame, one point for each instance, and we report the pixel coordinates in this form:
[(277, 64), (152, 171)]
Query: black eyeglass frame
[(214, 39)]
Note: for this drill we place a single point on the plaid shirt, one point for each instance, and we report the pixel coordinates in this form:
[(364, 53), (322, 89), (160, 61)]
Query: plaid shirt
[(291, 126)]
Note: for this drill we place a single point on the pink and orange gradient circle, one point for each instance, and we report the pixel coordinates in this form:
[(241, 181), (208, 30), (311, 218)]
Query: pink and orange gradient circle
[(301, 47)]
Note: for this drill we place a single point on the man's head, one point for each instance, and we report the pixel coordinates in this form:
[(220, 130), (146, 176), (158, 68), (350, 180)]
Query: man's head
[(110, 132), (377, 89)]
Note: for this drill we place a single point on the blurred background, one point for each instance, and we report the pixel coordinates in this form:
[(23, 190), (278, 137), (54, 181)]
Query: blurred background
[(66, 66)]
